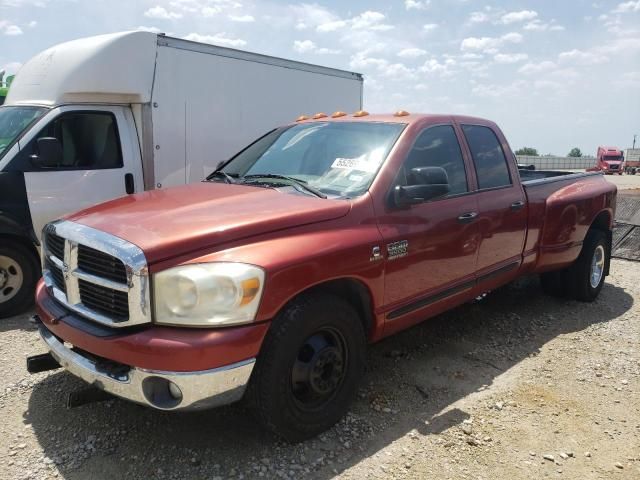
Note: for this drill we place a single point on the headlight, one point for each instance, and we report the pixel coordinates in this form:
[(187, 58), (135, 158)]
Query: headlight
[(208, 294)]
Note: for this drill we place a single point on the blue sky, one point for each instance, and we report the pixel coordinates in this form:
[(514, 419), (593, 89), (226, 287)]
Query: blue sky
[(554, 74)]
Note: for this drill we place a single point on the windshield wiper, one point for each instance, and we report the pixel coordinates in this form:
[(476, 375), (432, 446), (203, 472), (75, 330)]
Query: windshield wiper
[(220, 174), (296, 181)]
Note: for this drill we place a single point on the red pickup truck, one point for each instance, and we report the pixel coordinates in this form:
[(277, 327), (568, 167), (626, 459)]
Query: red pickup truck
[(266, 281)]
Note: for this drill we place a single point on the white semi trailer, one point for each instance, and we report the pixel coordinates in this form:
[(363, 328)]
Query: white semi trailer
[(101, 117)]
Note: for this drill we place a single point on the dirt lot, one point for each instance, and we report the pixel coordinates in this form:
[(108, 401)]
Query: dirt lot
[(517, 386)]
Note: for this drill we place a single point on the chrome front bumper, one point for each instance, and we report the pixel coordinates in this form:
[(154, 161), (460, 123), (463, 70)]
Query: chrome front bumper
[(162, 390)]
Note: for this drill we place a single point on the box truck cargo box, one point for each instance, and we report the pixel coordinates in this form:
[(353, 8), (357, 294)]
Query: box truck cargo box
[(101, 117)]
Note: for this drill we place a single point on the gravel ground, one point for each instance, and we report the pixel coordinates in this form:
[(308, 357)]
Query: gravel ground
[(517, 386)]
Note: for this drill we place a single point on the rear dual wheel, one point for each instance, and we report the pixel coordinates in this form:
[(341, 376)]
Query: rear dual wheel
[(584, 279), (309, 368)]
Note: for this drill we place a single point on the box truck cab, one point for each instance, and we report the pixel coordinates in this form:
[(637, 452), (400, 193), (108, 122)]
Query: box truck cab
[(609, 160), (106, 116)]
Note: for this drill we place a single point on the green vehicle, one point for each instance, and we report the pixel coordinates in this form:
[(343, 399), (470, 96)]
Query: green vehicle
[(4, 86)]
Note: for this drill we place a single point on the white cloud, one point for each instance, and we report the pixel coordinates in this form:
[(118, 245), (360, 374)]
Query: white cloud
[(510, 57), (411, 52), (628, 7), (331, 26), (533, 68), (515, 17), (142, 28), (161, 13), (209, 12), (429, 27), (489, 44), (433, 66), (218, 39), (370, 20), (416, 4), (478, 17), (307, 46), (242, 18), (500, 91), (538, 26), (32, 24), (579, 57), (629, 79), (12, 30)]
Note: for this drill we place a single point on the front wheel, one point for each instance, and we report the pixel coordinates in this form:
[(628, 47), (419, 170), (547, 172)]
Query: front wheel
[(309, 368), (19, 273)]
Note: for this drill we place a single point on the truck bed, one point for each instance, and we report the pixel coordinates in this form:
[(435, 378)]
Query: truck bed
[(562, 207)]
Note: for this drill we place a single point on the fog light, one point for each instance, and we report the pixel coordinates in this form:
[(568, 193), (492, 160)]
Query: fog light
[(161, 393)]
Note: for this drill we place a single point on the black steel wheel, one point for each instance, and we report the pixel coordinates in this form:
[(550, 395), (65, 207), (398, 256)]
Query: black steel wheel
[(309, 368)]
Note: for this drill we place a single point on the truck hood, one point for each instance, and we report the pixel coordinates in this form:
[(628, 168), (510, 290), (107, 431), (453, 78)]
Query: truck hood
[(175, 221)]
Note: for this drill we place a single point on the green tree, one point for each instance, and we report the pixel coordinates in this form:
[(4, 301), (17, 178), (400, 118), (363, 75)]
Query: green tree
[(532, 152), (575, 152)]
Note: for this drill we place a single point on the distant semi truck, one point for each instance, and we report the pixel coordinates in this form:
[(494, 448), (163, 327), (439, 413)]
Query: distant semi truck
[(106, 116), (609, 160), (632, 161)]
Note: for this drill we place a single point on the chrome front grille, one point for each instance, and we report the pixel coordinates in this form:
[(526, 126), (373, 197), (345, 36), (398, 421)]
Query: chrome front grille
[(95, 274)]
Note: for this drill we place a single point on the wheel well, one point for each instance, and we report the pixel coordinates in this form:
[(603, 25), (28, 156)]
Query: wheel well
[(353, 292), (21, 240)]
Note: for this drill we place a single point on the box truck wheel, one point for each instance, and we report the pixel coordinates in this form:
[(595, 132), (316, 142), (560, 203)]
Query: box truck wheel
[(586, 276), (309, 368), (19, 272)]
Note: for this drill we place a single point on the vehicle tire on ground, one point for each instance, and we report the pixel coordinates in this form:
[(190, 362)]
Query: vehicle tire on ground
[(309, 367), (585, 276), (19, 272)]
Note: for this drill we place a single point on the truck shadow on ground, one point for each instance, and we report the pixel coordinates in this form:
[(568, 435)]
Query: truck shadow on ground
[(412, 382)]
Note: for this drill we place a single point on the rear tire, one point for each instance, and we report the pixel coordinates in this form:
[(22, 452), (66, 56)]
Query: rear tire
[(309, 367), (586, 276), (19, 272)]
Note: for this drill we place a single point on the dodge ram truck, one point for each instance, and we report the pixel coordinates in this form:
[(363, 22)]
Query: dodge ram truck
[(266, 281)]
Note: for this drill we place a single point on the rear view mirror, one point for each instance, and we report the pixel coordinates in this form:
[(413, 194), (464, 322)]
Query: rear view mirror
[(428, 183), (49, 153)]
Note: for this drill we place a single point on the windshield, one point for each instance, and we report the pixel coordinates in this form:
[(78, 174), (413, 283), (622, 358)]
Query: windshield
[(338, 159), (613, 158), (14, 121)]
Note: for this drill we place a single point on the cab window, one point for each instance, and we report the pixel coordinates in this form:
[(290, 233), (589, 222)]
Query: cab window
[(491, 165), (437, 147), (89, 141)]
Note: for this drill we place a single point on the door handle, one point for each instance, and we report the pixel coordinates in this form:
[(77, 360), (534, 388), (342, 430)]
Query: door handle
[(129, 185), (467, 217), (517, 205)]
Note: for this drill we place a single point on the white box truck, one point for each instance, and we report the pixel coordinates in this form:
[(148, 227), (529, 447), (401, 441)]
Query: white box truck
[(101, 117)]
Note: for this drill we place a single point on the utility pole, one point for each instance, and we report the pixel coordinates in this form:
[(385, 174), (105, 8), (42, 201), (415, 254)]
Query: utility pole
[(634, 141)]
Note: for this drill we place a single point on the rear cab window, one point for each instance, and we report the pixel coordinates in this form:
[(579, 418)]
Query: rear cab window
[(489, 159)]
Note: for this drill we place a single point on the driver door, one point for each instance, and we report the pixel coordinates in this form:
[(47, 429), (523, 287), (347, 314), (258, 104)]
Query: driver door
[(100, 161), (431, 246)]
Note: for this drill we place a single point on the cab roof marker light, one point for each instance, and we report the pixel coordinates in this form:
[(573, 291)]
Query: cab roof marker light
[(361, 113), (302, 118), (338, 114), (401, 113), (319, 115)]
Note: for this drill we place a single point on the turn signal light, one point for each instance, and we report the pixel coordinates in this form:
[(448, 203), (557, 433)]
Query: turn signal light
[(401, 113), (361, 113), (301, 118), (338, 114), (319, 115)]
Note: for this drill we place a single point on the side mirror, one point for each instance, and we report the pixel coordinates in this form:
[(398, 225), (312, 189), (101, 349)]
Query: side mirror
[(49, 153), (430, 183)]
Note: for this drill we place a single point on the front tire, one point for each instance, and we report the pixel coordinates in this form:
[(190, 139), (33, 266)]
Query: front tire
[(309, 368), (19, 272)]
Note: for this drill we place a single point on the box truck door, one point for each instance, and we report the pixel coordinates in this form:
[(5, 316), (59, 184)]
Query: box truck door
[(78, 157)]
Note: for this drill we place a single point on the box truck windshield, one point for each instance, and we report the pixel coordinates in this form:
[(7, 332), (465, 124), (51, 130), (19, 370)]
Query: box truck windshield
[(14, 121)]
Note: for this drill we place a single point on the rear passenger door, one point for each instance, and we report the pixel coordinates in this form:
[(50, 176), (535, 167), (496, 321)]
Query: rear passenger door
[(502, 212)]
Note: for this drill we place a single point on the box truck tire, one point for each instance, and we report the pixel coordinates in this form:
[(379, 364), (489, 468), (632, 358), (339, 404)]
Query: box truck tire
[(19, 272)]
